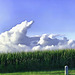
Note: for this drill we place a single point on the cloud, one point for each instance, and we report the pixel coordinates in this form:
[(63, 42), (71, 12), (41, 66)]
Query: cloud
[(16, 40)]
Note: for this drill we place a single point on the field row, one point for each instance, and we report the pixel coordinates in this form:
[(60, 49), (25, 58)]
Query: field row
[(37, 61)]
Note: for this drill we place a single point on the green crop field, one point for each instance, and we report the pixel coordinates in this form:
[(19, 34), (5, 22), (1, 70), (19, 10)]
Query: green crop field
[(71, 72), (37, 61)]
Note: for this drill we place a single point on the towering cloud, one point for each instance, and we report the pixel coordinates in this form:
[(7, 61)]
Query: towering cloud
[(16, 40)]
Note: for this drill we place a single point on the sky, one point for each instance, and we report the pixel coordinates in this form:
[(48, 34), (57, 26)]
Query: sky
[(53, 21), (49, 16), (17, 40)]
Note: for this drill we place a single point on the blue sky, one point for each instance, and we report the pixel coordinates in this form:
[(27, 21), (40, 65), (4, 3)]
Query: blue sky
[(49, 16)]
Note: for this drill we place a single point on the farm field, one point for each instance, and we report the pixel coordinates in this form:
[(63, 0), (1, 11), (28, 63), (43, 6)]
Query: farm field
[(61, 72), (37, 61)]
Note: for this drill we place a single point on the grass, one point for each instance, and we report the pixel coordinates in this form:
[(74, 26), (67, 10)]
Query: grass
[(71, 72)]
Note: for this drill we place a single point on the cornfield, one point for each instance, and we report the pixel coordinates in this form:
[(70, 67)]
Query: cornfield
[(37, 61)]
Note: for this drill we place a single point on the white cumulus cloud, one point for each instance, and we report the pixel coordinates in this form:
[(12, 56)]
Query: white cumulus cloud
[(16, 40)]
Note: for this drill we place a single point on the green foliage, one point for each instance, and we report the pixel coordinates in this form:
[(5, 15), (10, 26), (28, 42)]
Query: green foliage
[(37, 61), (57, 72)]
